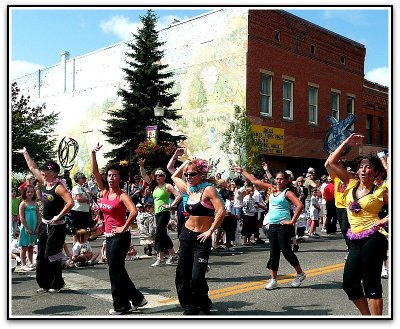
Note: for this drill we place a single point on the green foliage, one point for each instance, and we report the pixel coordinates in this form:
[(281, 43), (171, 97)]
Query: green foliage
[(32, 129), (241, 144), (148, 83), (156, 155)]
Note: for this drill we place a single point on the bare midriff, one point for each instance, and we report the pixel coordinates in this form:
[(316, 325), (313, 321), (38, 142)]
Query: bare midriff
[(199, 223)]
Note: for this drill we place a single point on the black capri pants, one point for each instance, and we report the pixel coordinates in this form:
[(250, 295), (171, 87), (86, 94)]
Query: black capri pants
[(280, 240), (362, 271), (162, 241)]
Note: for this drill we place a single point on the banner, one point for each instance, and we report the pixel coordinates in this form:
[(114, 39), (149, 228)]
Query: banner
[(272, 139), (152, 134)]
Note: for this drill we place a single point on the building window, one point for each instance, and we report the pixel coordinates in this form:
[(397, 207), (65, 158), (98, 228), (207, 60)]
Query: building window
[(380, 131), (312, 105), (368, 129), (266, 95), (350, 109), (335, 105), (287, 99), (312, 49), (343, 59), (277, 36)]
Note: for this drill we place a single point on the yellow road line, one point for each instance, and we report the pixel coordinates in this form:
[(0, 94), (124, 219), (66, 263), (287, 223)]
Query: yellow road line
[(254, 285)]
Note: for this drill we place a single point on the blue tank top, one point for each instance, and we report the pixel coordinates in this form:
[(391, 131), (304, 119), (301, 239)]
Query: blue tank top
[(279, 208)]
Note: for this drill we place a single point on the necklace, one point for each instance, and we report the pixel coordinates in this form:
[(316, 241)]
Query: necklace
[(201, 186)]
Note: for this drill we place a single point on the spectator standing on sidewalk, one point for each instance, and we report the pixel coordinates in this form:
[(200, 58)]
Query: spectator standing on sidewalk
[(281, 224), (114, 203), (57, 202)]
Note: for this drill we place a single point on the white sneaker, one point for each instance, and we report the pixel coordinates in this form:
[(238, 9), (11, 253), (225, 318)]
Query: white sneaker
[(298, 280), (142, 303), (114, 312), (41, 291), (171, 260), (158, 263), (272, 284), (385, 273)]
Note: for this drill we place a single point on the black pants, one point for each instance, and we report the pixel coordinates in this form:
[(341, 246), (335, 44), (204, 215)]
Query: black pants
[(122, 288), (331, 217), (362, 271), (190, 279), (280, 239), (50, 243), (343, 223), (162, 241), (80, 220)]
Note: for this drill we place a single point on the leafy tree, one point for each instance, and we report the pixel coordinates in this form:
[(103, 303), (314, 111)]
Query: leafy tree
[(148, 83), (156, 155), (241, 144), (30, 128)]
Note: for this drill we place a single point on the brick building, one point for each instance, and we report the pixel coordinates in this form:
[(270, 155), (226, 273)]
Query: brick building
[(269, 61)]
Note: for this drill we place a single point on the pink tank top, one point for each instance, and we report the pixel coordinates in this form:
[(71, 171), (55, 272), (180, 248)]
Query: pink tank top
[(114, 211)]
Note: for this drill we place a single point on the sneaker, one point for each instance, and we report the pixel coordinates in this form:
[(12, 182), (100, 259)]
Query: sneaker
[(158, 263), (92, 262), (54, 291), (41, 291), (171, 260), (27, 268), (142, 303), (323, 229), (114, 312), (272, 284), (296, 248), (385, 273), (315, 236), (298, 280)]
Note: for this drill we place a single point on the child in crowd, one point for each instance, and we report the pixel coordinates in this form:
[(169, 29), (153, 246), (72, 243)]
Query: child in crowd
[(29, 215), (249, 217), (14, 249), (15, 201), (82, 253), (132, 253), (146, 223), (315, 210)]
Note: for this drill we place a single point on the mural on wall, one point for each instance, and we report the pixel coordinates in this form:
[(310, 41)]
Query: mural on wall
[(208, 58), (338, 132)]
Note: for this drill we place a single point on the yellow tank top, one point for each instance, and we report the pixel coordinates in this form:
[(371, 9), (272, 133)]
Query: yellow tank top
[(371, 204)]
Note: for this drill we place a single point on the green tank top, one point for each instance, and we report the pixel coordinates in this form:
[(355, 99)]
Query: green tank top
[(161, 197)]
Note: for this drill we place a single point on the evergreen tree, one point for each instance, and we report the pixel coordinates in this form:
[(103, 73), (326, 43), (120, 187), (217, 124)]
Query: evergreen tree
[(148, 83), (32, 129), (241, 144)]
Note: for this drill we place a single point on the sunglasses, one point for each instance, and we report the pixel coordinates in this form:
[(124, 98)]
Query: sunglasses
[(159, 176), (190, 174)]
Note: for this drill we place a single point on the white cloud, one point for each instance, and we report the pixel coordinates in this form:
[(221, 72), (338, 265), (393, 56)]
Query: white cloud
[(123, 28), (120, 26), (380, 75), (21, 68)]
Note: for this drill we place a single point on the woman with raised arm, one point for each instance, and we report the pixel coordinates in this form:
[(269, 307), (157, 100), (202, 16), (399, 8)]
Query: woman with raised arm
[(114, 204), (162, 210), (281, 224), (206, 212), (57, 202), (367, 236)]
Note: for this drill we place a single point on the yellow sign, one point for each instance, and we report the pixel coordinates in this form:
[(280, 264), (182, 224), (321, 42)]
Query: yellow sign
[(272, 139)]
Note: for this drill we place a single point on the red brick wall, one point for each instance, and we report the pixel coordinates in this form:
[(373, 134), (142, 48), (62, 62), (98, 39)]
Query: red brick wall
[(292, 57)]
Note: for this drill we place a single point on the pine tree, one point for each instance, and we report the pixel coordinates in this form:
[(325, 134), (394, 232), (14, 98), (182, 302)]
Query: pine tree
[(148, 83), (32, 129)]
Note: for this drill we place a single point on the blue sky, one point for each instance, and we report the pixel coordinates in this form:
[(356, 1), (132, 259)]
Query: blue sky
[(39, 35)]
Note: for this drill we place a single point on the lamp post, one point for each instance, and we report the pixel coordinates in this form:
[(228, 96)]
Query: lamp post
[(158, 113)]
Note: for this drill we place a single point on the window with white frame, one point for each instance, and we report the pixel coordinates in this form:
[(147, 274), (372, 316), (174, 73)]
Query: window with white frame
[(312, 105), (335, 105), (350, 108), (287, 99), (266, 95)]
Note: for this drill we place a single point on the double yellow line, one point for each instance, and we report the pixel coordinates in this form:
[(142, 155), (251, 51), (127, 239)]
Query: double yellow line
[(254, 285)]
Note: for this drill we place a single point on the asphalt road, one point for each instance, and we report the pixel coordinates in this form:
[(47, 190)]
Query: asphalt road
[(236, 281)]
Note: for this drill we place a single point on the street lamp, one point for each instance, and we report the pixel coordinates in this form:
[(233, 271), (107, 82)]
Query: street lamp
[(159, 110)]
